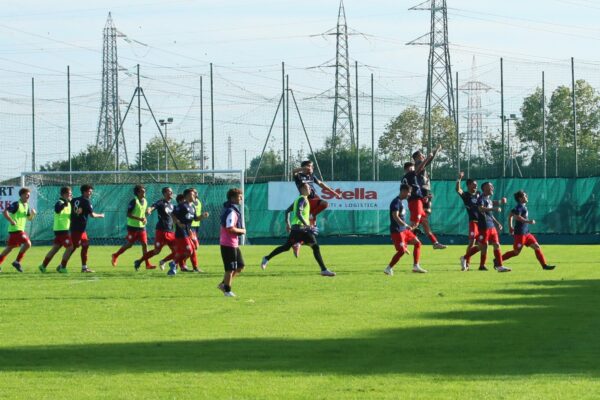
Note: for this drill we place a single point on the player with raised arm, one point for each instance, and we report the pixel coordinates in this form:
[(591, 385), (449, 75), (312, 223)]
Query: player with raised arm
[(17, 215), (305, 175), (136, 226), (413, 177), (470, 198), (62, 238), (520, 232), (300, 231), (164, 235), (232, 226), (183, 215), (402, 234), (487, 229), (81, 210)]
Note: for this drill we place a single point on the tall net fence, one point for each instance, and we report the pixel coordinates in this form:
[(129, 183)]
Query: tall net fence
[(113, 192)]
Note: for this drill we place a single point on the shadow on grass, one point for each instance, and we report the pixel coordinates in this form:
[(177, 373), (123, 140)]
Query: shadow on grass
[(551, 328)]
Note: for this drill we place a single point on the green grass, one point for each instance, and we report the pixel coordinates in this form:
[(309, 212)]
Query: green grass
[(292, 334)]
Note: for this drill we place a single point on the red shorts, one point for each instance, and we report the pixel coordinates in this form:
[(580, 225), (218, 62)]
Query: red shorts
[(62, 239), (16, 239), (473, 230), (489, 235), (183, 246), (314, 202), (79, 239), (416, 210), (401, 239), (135, 236), (524, 240), (163, 238)]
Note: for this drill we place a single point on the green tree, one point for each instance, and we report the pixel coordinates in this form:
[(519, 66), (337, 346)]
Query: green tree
[(155, 154), (402, 136), (271, 167), (92, 158)]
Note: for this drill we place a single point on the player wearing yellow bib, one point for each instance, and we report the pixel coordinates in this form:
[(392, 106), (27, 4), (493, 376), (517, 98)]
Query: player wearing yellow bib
[(300, 231), (136, 225), (17, 215), (61, 226), (198, 216)]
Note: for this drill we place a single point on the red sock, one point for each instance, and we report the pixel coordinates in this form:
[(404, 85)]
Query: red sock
[(417, 252), (84, 256), (472, 251), (120, 251), (432, 237), (483, 258), (396, 257), (498, 255), (508, 254), (20, 256), (2, 258), (46, 261), (540, 257)]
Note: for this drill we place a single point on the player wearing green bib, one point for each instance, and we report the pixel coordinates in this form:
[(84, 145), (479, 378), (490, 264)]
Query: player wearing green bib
[(300, 231), (61, 226), (17, 215), (198, 216), (136, 225)]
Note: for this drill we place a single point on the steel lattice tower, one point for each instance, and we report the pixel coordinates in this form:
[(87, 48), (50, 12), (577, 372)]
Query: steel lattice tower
[(440, 91), (110, 115), (474, 140), (343, 125)]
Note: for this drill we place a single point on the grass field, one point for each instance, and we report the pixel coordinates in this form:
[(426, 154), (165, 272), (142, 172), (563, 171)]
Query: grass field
[(291, 333)]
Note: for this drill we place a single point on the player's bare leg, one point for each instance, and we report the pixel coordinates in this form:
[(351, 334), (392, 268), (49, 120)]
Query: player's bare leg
[(436, 244), (123, 249)]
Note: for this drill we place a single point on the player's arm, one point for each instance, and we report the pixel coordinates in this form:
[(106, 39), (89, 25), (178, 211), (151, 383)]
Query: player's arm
[(31, 214), (523, 219), (296, 170), (428, 160), (511, 229), (8, 218), (324, 186), (289, 210), (400, 221), (458, 188), (498, 224), (230, 225)]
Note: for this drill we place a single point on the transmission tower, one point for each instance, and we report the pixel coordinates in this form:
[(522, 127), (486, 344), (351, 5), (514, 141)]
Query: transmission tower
[(343, 125), (474, 140), (440, 92), (110, 115)]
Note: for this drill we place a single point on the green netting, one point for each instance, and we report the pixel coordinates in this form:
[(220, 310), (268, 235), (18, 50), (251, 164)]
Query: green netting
[(560, 206)]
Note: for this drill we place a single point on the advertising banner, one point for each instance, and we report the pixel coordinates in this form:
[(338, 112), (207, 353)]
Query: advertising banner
[(9, 194), (354, 195)]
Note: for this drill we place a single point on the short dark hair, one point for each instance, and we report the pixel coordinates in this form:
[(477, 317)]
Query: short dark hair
[(164, 190), (179, 198), (416, 154), (24, 190), (85, 188), (469, 181), (404, 187), (408, 165), (233, 192), (187, 191), (305, 163), (65, 190), (519, 194), (487, 183), (137, 189)]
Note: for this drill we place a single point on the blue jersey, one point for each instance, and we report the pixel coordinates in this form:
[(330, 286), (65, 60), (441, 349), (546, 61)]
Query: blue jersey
[(470, 201), (164, 209), (397, 206), (185, 213), (79, 218), (521, 228), (486, 220), (411, 179)]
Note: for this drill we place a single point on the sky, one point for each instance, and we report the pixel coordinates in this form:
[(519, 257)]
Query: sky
[(246, 41)]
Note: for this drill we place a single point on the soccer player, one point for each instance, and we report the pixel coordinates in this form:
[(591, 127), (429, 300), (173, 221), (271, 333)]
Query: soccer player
[(487, 229), (136, 226), (232, 227), (164, 235), (305, 175), (469, 198), (198, 217), (17, 215), (300, 231), (416, 200), (522, 236), (81, 210), (402, 234), (183, 215), (62, 223)]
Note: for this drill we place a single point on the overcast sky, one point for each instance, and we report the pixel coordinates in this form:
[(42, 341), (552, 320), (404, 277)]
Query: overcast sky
[(247, 41)]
